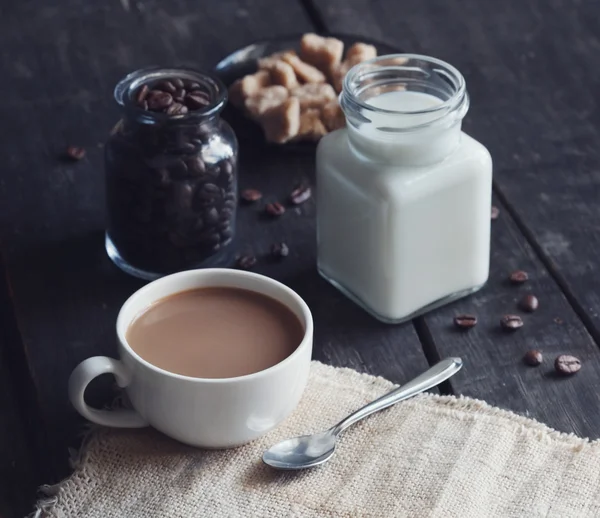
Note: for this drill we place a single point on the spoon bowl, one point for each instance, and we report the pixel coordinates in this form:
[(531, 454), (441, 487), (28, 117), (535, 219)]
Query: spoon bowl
[(307, 451)]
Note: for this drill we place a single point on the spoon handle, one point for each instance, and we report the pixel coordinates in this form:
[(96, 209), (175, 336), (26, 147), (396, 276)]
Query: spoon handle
[(441, 371)]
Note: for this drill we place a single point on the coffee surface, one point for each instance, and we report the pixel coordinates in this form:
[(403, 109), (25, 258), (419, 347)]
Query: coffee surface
[(215, 332)]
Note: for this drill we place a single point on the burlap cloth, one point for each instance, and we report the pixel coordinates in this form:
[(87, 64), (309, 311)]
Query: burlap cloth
[(432, 456)]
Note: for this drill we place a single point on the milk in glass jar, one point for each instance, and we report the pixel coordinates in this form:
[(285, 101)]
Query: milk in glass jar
[(403, 195)]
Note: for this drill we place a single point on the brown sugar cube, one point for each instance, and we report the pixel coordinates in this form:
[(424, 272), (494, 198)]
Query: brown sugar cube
[(323, 53), (283, 74), (360, 52), (333, 116), (396, 61), (266, 99), (247, 86), (311, 126), (236, 95), (314, 95), (282, 123), (269, 61), (357, 53), (304, 72), (338, 74)]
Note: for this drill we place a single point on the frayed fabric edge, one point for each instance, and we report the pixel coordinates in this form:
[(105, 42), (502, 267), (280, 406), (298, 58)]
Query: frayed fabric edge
[(464, 407), (460, 407), (45, 507)]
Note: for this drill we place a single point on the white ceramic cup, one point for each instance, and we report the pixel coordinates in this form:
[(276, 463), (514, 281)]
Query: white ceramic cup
[(210, 413)]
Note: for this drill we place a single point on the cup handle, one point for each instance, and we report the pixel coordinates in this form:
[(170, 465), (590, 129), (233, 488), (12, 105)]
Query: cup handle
[(85, 372)]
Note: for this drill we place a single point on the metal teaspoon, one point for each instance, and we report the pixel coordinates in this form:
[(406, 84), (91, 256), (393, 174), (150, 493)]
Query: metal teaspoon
[(308, 451)]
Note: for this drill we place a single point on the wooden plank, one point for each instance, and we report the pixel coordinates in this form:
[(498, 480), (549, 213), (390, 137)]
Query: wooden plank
[(66, 291), (532, 75), (344, 334), (494, 368), (19, 472), (16, 473), (521, 108)]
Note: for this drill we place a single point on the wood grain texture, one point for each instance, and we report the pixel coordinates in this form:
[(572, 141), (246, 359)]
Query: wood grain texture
[(533, 106), (344, 334), (532, 74), (15, 463), (22, 434), (494, 368), (19, 472), (66, 293)]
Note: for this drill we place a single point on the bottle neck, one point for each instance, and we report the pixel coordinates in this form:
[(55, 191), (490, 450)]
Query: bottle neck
[(404, 109), (211, 87), (421, 148)]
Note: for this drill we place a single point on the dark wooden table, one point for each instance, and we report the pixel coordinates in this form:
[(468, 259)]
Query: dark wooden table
[(533, 75)]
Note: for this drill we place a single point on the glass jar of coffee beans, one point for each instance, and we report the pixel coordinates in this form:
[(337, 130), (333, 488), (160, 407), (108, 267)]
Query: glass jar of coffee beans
[(171, 167)]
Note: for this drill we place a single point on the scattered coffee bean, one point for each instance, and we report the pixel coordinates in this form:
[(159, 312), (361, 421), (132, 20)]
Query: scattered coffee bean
[(158, 100), (246, 262), (465, 321), (280, 250), (511, 322), (300, 195), (142, 93), (275, 209), (178, 109), (196, 100), (558, 320), (495, 212), (533, 358), (529, 303), (75, 152), (251, 195), (518, 277), (567, 365)]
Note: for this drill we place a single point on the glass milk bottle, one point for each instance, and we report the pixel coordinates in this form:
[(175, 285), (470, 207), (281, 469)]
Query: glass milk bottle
[(403, 195)]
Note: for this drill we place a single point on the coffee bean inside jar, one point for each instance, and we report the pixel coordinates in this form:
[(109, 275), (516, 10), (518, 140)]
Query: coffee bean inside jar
[(171, 173)]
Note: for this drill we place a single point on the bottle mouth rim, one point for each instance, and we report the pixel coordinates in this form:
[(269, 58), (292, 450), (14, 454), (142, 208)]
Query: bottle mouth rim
[(126, 87), (365, 75)]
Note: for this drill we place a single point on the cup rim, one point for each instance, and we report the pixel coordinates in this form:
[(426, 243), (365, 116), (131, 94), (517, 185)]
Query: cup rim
[(121, 326)]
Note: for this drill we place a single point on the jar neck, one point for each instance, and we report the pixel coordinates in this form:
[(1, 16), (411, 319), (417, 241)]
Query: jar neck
[(417, 149), (126, 89), (404, 109)]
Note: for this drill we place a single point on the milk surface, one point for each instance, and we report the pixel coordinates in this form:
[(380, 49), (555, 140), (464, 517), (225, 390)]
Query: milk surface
[(404, 101)]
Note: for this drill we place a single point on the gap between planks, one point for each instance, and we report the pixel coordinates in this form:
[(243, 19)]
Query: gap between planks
[(420, 325), (550, 266), (430, 351), (425, 337), (313, 15)]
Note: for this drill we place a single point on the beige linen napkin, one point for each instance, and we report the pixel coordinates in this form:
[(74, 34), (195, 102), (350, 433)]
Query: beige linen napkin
[(430, 456)]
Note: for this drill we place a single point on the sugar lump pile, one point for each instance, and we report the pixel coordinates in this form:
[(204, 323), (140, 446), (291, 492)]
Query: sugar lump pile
[(294, 96)]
